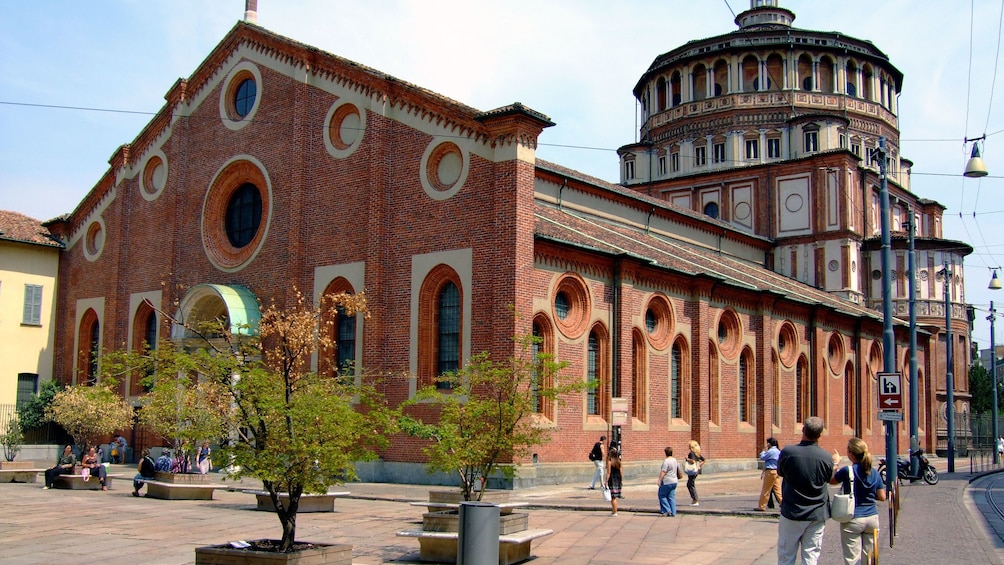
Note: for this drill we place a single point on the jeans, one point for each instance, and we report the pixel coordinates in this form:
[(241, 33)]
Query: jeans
[(667, 499), (51, 474), (598, 475), (138, 481), (795, 535), (858, 538)]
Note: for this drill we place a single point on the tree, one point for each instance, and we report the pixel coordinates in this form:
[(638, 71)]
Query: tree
[(32, 413), (11, 440), (179, 407), (980, 389), (89, 412), (488, 418), (295, 430)]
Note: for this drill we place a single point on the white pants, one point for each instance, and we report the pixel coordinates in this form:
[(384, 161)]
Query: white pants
[(795, 535), (598, 475), (858, 539)]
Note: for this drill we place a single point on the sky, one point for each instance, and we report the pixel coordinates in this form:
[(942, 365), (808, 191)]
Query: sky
[(79, 79)]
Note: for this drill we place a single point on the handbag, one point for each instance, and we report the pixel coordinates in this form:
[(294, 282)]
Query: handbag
[(691, 468), (679, 472), (607, 495), (842, 507)]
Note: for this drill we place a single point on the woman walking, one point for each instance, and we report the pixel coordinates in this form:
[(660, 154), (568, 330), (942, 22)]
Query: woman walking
[(858, 535), (693, 468), (669, 478), (614, 479)]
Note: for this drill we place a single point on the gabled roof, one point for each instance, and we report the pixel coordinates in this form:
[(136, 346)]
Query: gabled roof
[(15, 226)]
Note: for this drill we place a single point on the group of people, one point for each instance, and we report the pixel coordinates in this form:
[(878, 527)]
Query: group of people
[(148, 466), (798, 476), (607, 460), (90, 466)]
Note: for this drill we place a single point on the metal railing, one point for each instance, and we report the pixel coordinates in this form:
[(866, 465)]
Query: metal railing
[(48, 433)]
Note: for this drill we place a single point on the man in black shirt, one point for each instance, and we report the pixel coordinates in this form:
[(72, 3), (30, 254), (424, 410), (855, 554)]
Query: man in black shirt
[(805, 505), (598, 456)]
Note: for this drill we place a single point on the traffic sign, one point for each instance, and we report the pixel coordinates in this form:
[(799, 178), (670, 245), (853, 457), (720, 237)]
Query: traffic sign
[(890, 416), (890, 394)]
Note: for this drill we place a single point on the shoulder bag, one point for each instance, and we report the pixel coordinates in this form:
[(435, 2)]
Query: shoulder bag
[(691, 468), (842, 507)]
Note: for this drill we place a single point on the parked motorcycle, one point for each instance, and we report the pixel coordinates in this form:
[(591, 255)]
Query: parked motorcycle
[(925, 470)]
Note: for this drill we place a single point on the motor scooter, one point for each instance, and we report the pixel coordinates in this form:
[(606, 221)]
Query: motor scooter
[(925, 470)]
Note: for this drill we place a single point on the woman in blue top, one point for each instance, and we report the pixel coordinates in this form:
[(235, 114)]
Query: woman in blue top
[(857, 536)]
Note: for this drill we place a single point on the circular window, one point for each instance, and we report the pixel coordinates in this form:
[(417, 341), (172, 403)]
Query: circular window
[(833, 265), (711, 209), (659, 321), (236, 213), (787, 344), (245, 96), (240, 96), (344, 128), (154, 177), (835, 353), (243, 215), (571, 305), (923, 275), (729, 331), (94, 240), (876, 275), (444, 169)]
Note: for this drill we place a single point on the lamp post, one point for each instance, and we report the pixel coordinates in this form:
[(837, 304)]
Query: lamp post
[(949, 377), (911, 227), (993, 380), (888, 338)]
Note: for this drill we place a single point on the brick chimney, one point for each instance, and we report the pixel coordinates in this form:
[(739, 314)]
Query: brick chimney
[(251, 11)]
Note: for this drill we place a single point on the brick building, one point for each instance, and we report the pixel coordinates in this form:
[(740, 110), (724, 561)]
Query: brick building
[(686, 292)]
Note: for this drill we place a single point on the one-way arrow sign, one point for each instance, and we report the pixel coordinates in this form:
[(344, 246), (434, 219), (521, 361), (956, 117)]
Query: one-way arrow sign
[(890, 395)]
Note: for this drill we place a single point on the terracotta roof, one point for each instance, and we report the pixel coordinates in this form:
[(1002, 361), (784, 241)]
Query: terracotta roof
[(603, 236), (15, 226)]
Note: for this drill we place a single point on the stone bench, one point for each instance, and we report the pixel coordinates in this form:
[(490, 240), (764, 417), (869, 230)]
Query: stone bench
[(77, 482), (504, 507), (442, 546), (311, 502), (19, 475), (180, 491)]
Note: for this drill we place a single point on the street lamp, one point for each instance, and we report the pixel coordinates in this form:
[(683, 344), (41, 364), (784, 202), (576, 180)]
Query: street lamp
[(949, 377), (975, 167), (995, 284)]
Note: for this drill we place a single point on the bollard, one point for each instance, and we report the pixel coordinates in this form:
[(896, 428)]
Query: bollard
[(478, 537)]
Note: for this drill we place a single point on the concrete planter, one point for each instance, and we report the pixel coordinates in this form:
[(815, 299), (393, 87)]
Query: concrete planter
[(456, 497), (317, 554), (449, 521), (17, 465), (183, 478)]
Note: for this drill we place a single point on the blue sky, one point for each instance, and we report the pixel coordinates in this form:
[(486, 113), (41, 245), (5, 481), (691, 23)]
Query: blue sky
[(573, 60)]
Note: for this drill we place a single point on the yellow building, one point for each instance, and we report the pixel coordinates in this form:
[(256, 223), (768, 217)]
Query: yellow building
[(29, 258)]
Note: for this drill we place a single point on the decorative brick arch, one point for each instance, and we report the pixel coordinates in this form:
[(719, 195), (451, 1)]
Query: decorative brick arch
[(679, 381), (144, 328), (327, 359), (543, 329), (88, 344), (428, 321)]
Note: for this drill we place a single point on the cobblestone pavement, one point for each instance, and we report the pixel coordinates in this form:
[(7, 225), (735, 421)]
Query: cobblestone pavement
[(951, 522)]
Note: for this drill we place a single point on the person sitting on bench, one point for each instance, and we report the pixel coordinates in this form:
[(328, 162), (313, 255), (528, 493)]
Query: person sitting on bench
[(64, 466), (92, 463), (147, 470)]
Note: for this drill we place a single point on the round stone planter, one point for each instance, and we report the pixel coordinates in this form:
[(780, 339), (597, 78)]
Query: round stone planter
[(183, 478), (455, 496), (316, 554)]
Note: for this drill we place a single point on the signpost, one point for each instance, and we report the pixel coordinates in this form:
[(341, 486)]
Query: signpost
[(890, 392)]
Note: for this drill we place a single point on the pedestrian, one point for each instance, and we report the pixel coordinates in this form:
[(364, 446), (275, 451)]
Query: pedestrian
[(598, 456), (147, 470), (858, 536), (64, 466), (693, 468), (615, 481), (121, 445), (806, 469), (669, 477), (205, 462), (1000, 447), (771, 482)]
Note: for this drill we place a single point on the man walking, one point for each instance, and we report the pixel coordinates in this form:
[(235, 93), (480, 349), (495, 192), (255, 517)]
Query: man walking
[(598, 456), (805, 505)]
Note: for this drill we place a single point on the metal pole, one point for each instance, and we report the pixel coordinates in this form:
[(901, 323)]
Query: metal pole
[(949, 377), (914, 393), (993, 379), (888, 338)]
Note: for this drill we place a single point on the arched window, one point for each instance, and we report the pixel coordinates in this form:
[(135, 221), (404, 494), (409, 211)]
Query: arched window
[(660, 95), (88, 347), (775, 383), (596, 372), (775, 72), (639, 376), (700, 82), (750, 73), (341, 358), (675, 385), (850, 398), (711, 210), (826, 72), (448, 330), (804, 402), (745, 386), (714, 405), (439, 321), (721, 75), (542, 345), (805, 79), (144, 335), (852, 78)]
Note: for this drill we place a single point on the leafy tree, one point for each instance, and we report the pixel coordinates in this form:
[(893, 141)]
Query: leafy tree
[(488, 418), (11, 440), (295, 430), (179, 408), (89, 412), (980, 388), (32, 413)]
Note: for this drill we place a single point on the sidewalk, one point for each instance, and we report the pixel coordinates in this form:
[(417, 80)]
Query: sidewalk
[(938, 524)]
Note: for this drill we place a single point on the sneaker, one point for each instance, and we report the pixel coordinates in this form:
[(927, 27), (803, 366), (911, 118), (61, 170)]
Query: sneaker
[(136, 494), (613, 513), (759, 509), (695, 503), (664, 514), (45, 488)]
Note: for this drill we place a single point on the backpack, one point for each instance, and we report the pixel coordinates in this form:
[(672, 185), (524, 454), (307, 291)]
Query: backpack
[(597, 453)]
